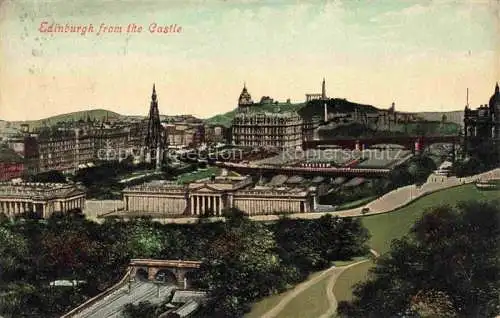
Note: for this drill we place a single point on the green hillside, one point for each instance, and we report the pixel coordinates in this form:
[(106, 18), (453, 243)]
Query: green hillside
[(306, 110), (98, 114), (226, 118)]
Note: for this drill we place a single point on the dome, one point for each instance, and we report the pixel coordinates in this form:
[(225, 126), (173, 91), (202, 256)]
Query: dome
[(245, 98), (495, 101)]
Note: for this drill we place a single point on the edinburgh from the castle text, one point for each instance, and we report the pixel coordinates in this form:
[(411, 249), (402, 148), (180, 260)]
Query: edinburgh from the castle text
[(103, 28)]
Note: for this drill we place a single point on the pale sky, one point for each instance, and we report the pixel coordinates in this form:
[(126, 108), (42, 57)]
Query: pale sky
[(422, 55)]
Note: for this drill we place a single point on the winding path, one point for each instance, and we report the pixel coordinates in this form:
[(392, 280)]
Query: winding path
[(334, 271), (273, 312), (329, 289)]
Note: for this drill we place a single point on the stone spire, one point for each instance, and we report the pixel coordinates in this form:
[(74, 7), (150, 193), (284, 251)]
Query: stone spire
[(155, 138), (153, 96)]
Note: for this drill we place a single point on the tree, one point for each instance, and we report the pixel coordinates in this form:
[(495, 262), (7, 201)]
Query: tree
[(242, 267), (52, 176), (144, 239), (447, 266), (420, 168)]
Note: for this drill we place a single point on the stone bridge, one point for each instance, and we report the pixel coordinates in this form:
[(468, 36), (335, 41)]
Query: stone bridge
[(409, 142), (177, 272)]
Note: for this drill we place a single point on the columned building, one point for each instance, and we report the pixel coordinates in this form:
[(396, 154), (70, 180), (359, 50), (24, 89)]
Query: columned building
[(318, 96), (40, 198), (212, 196)]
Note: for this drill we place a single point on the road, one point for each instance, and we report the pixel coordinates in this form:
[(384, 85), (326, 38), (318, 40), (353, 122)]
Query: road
[(113, 304)]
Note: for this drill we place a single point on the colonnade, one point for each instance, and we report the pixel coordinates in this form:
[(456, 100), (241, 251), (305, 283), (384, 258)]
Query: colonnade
[(201, 204), (44, 208), (16, 207)]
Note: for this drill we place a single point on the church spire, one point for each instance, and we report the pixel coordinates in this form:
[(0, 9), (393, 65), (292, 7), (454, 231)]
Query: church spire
[(496, 88), (153, 96)]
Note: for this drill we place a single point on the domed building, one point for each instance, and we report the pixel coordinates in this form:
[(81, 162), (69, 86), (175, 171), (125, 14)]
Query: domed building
[(483, 124), (245, 100)]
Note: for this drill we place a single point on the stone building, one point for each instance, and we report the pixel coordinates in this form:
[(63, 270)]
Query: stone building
[(11, 164), (212, 196), (216, 134), (262, 129), (185, 134), (40, 198), (115, 141), (483, 124), (317, 96)]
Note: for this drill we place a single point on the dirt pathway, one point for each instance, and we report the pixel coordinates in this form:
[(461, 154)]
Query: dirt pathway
[(329, 289)]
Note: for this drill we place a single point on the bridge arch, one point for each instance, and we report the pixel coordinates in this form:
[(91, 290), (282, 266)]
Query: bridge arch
[(165, 276), (141, 273), (168, 271)]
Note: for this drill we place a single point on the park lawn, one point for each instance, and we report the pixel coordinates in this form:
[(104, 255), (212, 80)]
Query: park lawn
[(200, 174), (268, 303), (348, 278), (388, 226), (312, 302)]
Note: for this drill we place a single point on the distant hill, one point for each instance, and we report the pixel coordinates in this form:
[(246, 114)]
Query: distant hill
[(306, 110), (98, 114), (456, 117), (315, 108)]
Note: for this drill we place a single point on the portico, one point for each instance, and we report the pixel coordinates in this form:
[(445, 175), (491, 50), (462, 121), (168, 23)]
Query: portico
[(202, 204)]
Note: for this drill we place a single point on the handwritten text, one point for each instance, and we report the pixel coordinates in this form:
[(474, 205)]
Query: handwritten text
[(104, 28)]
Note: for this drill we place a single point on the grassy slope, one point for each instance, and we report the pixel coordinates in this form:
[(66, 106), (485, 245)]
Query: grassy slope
[(263, 306), (384, 228), (310, 303), (226, 118), (345, 282)]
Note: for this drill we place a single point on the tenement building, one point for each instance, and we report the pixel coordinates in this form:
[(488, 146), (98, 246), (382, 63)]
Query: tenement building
[(483, 124), (262, 129), (40, 198), (212, 196)]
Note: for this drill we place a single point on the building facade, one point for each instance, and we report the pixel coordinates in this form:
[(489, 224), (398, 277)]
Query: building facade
[(213, 196), (185, 134), (41, 198), (276, 130), (11, 164), (216, 134), (115, 142), (483, 124)]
